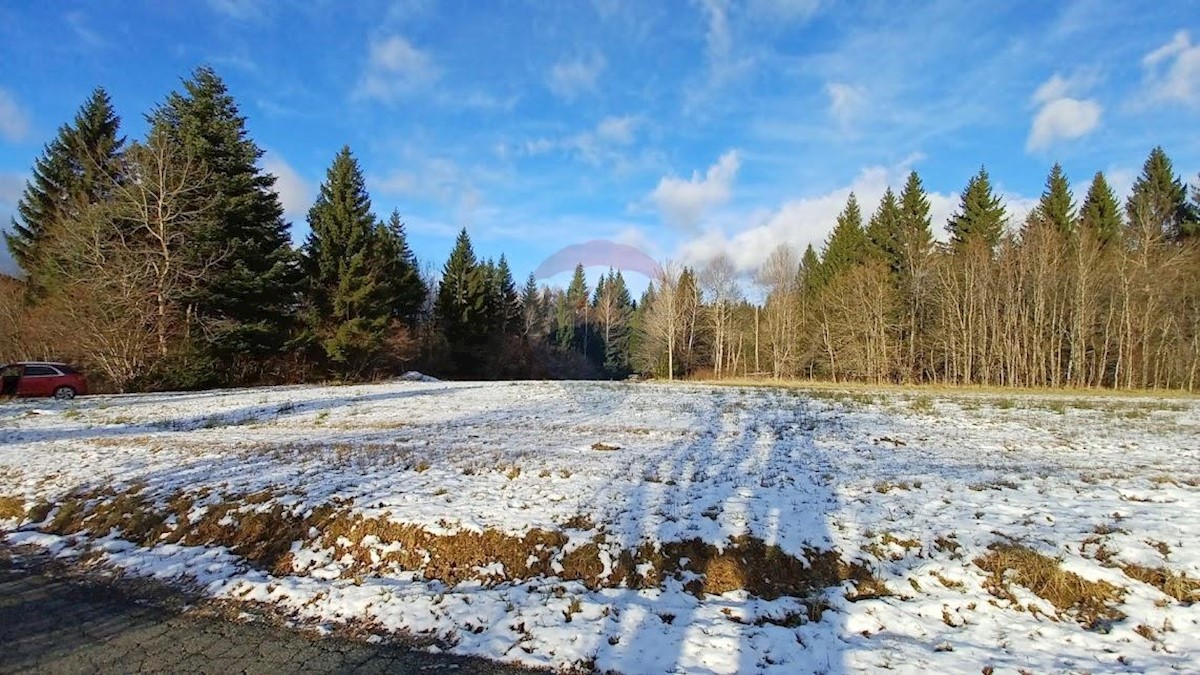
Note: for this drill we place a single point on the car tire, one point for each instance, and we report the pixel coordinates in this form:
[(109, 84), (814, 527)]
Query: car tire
[(64, 393)]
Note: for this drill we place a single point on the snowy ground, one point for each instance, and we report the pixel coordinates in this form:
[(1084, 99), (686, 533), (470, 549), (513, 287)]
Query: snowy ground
[(912, 487)]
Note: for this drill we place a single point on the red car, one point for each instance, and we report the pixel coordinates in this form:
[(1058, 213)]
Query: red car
[(39, 378)]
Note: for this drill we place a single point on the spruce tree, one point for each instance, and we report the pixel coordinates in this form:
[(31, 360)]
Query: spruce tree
[(577, 303), (1158, 201), (810, 276), (77, 169), (884, 232), (246, 302), (915, 224), (402, 276), (1100, 214), (613, 292), (508, 310), (487, 270), (347, 268), (1056, 206), (847, 244), (462, 306), (981, 216), (533, 311)]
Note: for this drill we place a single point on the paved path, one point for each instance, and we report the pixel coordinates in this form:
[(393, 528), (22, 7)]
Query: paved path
[(54, 623)]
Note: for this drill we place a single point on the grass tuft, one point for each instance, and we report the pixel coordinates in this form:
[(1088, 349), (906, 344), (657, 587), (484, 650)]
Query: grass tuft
[(1089, 602), (1177, 585)]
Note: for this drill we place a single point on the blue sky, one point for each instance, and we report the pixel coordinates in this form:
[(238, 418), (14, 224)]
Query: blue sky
[(682, 128)]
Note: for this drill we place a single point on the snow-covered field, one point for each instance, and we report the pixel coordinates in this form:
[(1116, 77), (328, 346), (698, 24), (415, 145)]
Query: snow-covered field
[(648, 527)]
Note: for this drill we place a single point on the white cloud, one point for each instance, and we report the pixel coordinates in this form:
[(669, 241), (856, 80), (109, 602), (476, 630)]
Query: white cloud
[(785, 10), (1055, 87), (845, 101), (1059, 115), (685, 202), (1063, 118), (1172, 72), (616, 129), (14, 124), (295, 193), (83, 30), (598, 145), (718, 39), (569, 79), (395, 68), (1121, 180), (436, 179), (237, 9)]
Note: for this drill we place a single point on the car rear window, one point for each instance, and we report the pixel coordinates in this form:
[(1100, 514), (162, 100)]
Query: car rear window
[(39, 370), (68, 370)]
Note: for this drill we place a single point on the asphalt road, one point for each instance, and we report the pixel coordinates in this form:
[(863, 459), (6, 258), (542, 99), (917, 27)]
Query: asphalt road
[(55, 621)]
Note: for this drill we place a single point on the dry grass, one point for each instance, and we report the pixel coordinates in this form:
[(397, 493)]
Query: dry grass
[(12, 508), (1175, 584), (263, 534), (1089, 602), (872, 388)]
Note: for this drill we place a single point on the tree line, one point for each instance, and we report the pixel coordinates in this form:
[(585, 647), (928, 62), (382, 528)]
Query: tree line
[(165, 262), (1094, 294)]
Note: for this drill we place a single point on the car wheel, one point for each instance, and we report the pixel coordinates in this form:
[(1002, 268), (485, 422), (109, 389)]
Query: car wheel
[(64, 393)]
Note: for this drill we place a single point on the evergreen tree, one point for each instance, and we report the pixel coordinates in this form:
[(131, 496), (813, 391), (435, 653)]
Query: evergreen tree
[(404, 287), (915, 224), (508, 314), (847, 244), (614, 306), (462, 306), (1100, 213), (245, 303), (533, 310), (577, 304), (349, 291), (1056, 206), (980, 218), (564, 322), (810, 272), (1158, 201), (487, 270), (77, 169), (884, 232)]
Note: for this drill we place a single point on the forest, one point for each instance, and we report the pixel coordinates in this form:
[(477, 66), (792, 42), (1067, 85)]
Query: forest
[(166, 263)]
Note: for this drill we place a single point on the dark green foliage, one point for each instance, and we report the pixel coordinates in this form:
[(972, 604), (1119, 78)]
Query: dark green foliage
[(572, 315), (246, 301), (915, 223), (616, 311), (78, 169), (1056, 208), (1159, 202), (349, 259), (980, 218), (405, 291), (506, 304), (1100, 214), (885, 232), (810, 272), (847, 244), (564, 322), (462, 307), (533, 310)]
